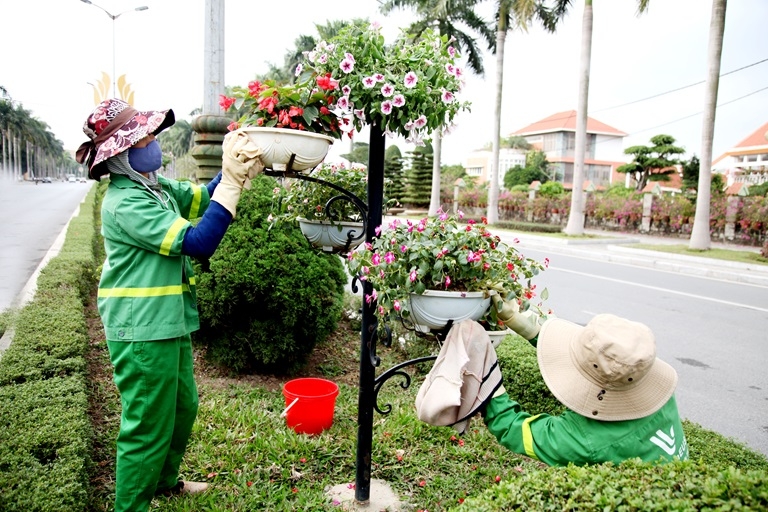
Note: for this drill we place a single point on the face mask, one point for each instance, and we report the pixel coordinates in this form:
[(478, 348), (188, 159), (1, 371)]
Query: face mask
[(146, 159)]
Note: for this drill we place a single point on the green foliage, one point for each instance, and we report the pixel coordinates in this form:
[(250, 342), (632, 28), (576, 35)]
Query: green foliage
[(717, 185), (551, 189), (418, 177), (535, 169), (394, 173), (720, 452), (307, 199), (359, 153), (630, 486), (268, 297), (44, 427), (759, 190), (652, 163), (532, 227), (619, 190), (690, 170)]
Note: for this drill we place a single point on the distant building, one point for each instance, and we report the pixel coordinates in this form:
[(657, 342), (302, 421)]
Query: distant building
[(478, 164), (746, 162), (556, 136)]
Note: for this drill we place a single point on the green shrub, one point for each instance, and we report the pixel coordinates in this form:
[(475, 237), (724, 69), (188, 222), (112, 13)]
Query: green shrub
[(532, 227), (269, 297), (718, 451), (551, 189), (44, 445), (522, 378), (631, 486)]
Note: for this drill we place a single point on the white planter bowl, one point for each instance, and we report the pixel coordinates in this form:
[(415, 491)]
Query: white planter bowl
[(278, 144), (498, 336), (332, 237), (434, 308)]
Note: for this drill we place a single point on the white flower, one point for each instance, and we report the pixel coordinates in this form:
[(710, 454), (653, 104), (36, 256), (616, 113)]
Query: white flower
[(387, 90), (347, 66), (398, 100), (447, 96), (386, 107), (369, 82), (323, 58), (421, 122), (350, 57), (379, 77), (346, 90), (299, 68), (410, 80)]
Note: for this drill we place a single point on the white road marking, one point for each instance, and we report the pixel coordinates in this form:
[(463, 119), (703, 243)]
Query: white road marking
[(701, 297)]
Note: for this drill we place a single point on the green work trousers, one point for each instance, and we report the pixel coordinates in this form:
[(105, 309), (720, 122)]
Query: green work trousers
[(159, 399)]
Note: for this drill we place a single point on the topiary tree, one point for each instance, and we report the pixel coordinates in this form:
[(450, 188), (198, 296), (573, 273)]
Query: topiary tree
[(268, 297), (393, 171), (418, 177)]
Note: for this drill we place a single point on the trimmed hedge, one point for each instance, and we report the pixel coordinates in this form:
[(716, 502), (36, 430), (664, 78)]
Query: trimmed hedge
[(630, 486), (722, 473), (45, 431)]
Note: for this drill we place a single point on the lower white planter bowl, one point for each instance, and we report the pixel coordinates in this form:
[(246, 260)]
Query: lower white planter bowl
[(332, 237), (498, 336), (278, 144), (434, 308)]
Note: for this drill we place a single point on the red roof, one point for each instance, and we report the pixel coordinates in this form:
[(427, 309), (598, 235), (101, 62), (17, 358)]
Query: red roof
[(566, 122), (757, 138)]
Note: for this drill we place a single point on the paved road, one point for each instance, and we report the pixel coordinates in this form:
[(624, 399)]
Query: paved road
[(31, 218)]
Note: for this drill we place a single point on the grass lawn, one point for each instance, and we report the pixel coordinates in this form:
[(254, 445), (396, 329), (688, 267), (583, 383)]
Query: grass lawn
[(742, 256), (253, 461)]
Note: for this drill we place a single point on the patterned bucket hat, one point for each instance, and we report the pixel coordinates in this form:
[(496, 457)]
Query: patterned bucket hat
[(115, 126)]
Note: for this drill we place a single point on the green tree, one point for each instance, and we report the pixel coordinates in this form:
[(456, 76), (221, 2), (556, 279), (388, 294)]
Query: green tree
[(690, 170), (512, 14), (446, 17), (395, 174), (536, 166), (418, 177), (515, 142), (575, 225), (700, 238), (651, 163), (358, 153)]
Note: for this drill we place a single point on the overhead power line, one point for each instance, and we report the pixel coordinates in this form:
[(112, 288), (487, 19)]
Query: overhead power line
[(677, 89)]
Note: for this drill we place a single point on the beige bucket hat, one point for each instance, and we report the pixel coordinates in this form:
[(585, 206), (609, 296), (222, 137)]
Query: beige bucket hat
[(606, 370)]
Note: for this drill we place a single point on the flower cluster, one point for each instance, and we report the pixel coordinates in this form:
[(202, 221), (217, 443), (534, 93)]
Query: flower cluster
[(440, 253), (308, 106), (406, 89), (308, 200)]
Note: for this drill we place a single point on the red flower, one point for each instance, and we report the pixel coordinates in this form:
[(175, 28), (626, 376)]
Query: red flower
[(225, 102), (234, 125)]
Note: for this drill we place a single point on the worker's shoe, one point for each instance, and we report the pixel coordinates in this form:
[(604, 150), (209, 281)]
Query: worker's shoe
[(183, 487)]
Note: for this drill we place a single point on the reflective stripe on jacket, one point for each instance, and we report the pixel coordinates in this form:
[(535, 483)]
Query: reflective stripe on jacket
[(147, 287), (570, 437)]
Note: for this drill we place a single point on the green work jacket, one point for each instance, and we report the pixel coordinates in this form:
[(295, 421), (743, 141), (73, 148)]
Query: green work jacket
[(573, 438), (147, 287)]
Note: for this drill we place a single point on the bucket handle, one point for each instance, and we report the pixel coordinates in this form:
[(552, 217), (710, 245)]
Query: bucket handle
[(285, 411)]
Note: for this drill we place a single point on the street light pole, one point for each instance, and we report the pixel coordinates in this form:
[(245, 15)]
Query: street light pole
[(113, 17)]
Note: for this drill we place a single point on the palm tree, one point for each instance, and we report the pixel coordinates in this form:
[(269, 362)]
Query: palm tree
[(700, 231), (446, 17), (509, 13), (575, 224)]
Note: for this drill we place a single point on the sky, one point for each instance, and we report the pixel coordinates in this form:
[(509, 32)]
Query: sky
[(53, 49)]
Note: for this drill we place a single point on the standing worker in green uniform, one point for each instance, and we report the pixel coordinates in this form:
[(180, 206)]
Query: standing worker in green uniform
[(146, 298), (619, 395)]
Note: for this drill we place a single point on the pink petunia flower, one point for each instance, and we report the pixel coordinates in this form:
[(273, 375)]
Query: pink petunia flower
[(386, 107), (413, 276), (398, 100), (410, 80), (421, 122), (447, 97), (347, 66), (387, 90), (369, 82), (389, 257)]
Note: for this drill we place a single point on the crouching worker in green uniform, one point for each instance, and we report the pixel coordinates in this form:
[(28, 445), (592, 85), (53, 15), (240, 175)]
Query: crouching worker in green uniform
[(619, 395), (146, 298)]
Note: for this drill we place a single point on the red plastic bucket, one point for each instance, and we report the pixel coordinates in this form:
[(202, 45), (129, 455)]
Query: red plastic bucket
[(309, 404)]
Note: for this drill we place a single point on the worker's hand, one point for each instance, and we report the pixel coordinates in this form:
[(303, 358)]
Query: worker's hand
[(240, 162), (240, 158), (525, 324)]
